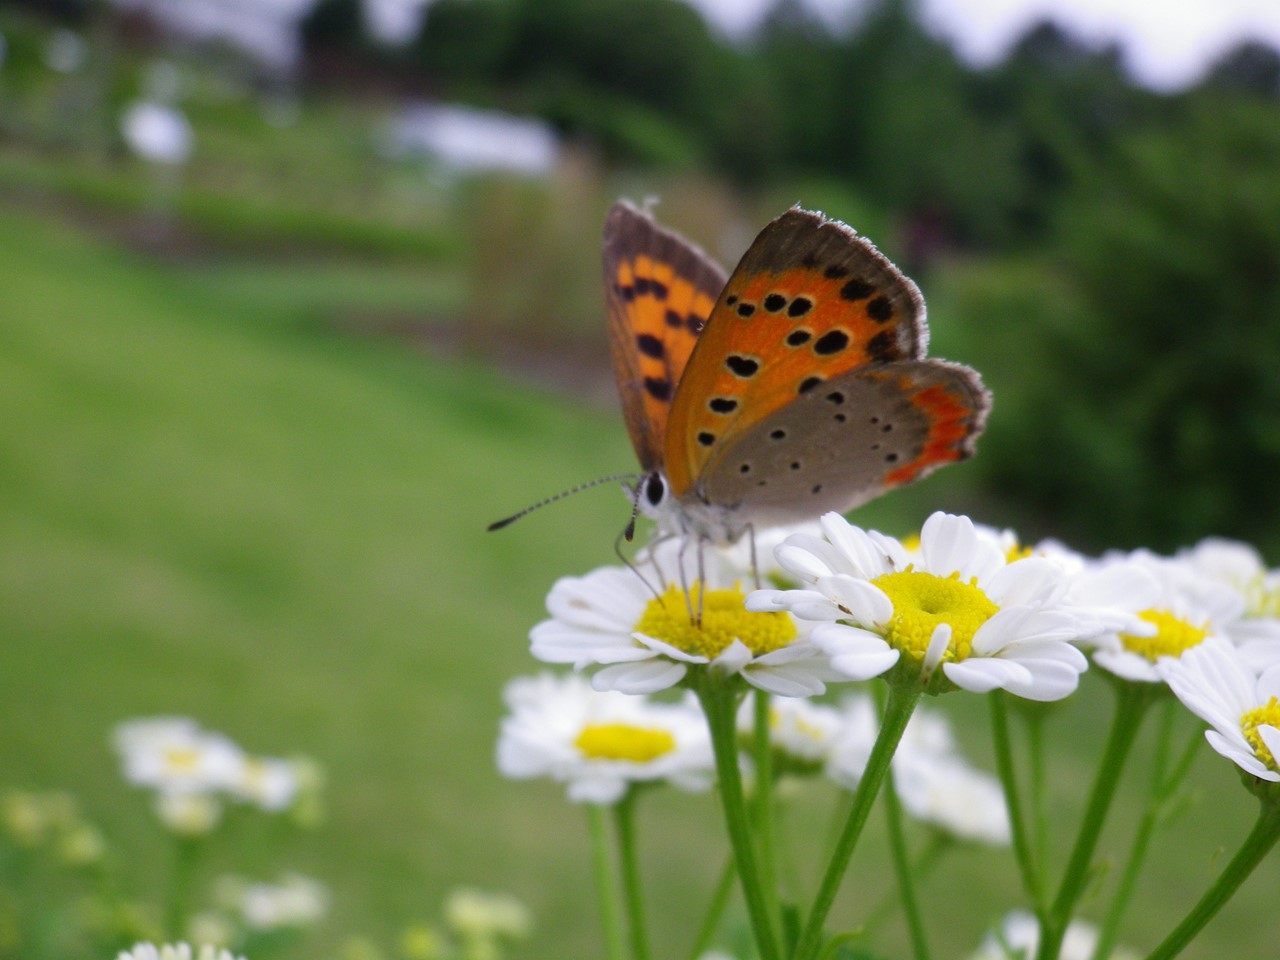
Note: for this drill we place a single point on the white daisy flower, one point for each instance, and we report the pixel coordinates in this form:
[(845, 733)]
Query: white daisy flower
[(958, 604), (599, 743), (296, 901), (1215, 683), (801, 732), (173, 755), (1239, 566), (267, 782), (646, 629), (1174, 611), (175, 951), (933, 780), (1019, 938)]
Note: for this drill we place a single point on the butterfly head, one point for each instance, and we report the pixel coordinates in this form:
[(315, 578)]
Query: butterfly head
[(683, 517)]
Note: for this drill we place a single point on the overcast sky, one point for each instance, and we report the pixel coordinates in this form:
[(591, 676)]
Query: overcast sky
[(1167, 43)]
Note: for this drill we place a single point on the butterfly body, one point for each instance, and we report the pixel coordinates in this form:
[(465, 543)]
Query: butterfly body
[(795, 386)]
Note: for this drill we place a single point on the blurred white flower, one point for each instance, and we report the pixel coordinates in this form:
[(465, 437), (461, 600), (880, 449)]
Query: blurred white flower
[(189, 814), (801, 732), (296, 901), (157, 132), (647, 626), (956, 604), (173, 755), (1019, 937), (599, 743), (1239, 567), (478, 915), (212, 927), (175, 951), (1175, 609), (267, 782), (934, 782)]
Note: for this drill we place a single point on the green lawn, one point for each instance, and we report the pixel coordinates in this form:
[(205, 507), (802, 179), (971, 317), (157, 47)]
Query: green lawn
[(211, 503)]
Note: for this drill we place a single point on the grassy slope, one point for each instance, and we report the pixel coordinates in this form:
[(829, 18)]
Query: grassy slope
[(209, 506)]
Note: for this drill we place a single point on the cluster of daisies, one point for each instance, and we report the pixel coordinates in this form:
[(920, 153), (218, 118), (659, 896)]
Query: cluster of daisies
[(960, 607), (193, 772)]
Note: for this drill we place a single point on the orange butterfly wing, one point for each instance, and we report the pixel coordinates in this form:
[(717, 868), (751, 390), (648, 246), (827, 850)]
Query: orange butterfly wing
[(659, 291), (812, 303)]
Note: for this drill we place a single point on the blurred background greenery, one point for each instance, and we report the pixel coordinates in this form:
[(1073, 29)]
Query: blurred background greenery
[(260, 395)]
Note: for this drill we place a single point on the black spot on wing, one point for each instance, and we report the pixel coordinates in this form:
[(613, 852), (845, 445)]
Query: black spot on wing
[(799, 307), (857, 289), (658, 388), (880, 310), (650, 346), (831, 342), (882, 348), (742, 366)]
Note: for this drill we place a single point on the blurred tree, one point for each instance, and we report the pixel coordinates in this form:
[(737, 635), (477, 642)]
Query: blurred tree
[(335, 24), (1158, 418), (593, 67), (1251, 67)]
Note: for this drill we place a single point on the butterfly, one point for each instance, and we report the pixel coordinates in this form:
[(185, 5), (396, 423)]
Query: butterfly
[(795, 386)]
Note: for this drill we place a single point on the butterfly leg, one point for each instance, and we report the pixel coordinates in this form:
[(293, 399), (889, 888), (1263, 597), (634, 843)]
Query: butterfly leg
[(755, 566), (655, 589)]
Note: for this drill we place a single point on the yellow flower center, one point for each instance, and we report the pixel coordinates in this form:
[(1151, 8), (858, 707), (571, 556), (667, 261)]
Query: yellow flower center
[(1266, 715), (1017, 552), (1260, 601), (922, 601), (622, 741), (1173, 636), (799, 726), (706, 623), (182, 760)]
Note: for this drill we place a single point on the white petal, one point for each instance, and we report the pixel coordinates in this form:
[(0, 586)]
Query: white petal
[(807, 557), (1049, 680), (786, 681), (950, 544), (1026, 581), (639, 678), (862, 602), (938, 643), (982, 675), (1245, 759), (653, 645), (733, 658), (865, 557)]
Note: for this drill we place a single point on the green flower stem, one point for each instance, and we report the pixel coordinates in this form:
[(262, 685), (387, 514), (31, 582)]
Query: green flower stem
[(1164, 784), (1132, 700), (624, 821), (719, 702), (711, 921), (1257, 845), (1028, 864), (186, 855), (763, 823), (902, 701), (606, 887), (901, 866), (1034, 720)]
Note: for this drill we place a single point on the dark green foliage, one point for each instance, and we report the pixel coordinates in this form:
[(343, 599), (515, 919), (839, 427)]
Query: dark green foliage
[(1157, 418)]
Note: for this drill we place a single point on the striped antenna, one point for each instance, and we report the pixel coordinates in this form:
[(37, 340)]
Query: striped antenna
[(499, 524)]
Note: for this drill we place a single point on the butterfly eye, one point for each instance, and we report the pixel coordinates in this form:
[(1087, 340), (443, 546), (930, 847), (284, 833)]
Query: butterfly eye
[(655, 489)]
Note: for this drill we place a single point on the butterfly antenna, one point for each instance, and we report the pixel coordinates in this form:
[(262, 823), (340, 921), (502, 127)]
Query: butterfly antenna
[(499, 524), (630, 532)]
